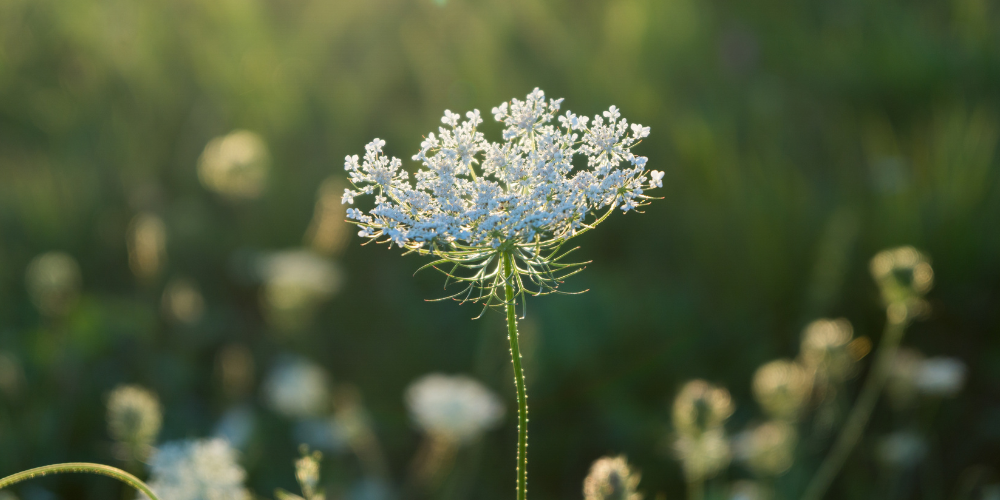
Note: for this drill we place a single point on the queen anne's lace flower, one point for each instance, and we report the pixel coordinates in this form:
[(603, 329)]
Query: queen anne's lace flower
[(476, 200), (197, 470), (455, 407)]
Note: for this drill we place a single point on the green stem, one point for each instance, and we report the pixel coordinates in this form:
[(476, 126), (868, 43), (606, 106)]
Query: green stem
[(696, 489), (856, 421), (522, 398), (103, 470)]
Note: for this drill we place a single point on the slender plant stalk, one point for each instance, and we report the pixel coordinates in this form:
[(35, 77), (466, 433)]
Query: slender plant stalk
[(82, 467), (522, 398), (858, 418), (696, 489)]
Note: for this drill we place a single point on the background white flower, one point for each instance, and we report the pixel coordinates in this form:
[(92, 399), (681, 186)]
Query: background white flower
[(197, 470), (297, 388), (456, 407)]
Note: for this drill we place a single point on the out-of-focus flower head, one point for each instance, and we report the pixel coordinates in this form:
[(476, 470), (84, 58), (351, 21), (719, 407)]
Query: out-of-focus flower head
[(611, 478), (524, 197), (455, 407), (941, 376), (901, 449), (824, 350), (307, 475), (235, 165), (768, 449), (53, 280), (147, 245), (297, 388), (703, 455), (197, 470), (134, 420), (782, 388), (700, 406), (904, 276), (182, 301), (295, 283)]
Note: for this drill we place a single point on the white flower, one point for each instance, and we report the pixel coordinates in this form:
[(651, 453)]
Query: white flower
[(295, 282), (655, 178), (940, 376), (297, 387), (474, 199), (197, 470), (455, 407)]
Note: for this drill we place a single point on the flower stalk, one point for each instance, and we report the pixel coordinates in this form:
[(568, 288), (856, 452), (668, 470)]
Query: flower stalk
[(522, 397), (80, 467)]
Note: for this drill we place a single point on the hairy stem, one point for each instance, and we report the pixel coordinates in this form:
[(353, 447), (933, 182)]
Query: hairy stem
[(522, 398), (856, 421), (103, 470)]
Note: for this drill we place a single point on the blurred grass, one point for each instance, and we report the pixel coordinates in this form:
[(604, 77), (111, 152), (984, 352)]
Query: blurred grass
[(798, 138)]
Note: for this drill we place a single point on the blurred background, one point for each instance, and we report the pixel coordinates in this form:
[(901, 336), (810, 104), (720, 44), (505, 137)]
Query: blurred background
[(170, 180)]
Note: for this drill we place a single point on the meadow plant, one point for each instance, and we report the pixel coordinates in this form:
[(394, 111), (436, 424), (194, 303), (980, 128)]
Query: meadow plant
[(53, 280), (904, 275), (495, 216), (307, 475), (699, 415), (197, 470), (611, 478), (134, 420), (451, 411), (297, 388)]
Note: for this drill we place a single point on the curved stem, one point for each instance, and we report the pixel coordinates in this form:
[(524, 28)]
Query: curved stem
[(103, 470), (522, 398), (856, 421)]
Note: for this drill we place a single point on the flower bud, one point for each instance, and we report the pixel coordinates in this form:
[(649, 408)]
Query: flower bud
[(235, 165), (782, 388), (134, 418), (53, 282), (904, 276), (825, 351), (700, 406), (611, 479)]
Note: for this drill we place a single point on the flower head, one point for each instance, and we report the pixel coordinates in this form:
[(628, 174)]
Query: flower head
[(476, 200), (296, 387), (701, 406), (197, 470), (904, 276), (455, 407), (134, 418), (782, 388), (611, 479), (769, 448)]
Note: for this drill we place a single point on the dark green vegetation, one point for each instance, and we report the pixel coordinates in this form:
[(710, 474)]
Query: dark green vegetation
[(799, 138)]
